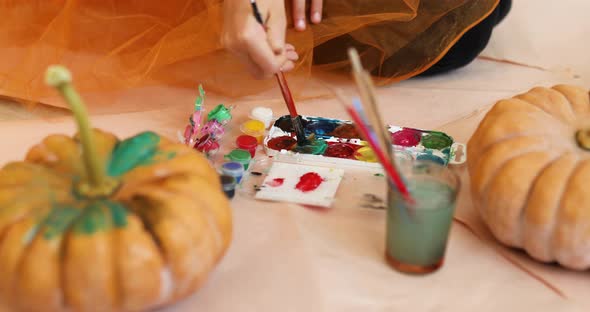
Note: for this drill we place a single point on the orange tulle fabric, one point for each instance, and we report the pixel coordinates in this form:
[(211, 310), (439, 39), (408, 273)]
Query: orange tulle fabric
[(113, 45)]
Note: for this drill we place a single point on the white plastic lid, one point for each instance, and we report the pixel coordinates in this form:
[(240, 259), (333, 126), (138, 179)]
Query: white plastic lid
[(263, 114)]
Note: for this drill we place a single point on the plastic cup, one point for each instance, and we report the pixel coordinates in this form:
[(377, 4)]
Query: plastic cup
[(228, 184), (241, 156), (247, 142), (416, 240), (220, 113), (234, 169), (254, 128), (263, 114)]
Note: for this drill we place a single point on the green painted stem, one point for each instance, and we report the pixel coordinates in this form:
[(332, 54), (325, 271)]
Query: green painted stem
[(94, 168), (60, 78)]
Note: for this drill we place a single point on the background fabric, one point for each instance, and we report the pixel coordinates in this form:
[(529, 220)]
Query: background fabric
[(112, 45)]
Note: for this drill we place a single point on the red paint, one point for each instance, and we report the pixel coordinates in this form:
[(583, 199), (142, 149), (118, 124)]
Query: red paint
[(282, 143), (206, 144), (345, 131), (309, 182), (247, 142), (276, 182), (341, 150), (406, 137)]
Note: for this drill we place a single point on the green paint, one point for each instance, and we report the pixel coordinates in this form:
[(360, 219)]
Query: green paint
[(379, 175), (59, 220), (315, 147), (102, 215), (239, 155), (132, 152), (118, 213), (436, 140), (420, 239), (220, 113), (162, 156), (93, 219), (200, 99), (95, 216)]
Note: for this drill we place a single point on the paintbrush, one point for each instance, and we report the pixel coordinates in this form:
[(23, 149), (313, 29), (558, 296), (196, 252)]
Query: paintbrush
[(394, 178), (367, 91), (296, 120), (371, 110)]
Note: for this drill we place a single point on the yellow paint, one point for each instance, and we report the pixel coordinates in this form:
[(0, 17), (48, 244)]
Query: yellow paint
[(254, 128), (365, 154)]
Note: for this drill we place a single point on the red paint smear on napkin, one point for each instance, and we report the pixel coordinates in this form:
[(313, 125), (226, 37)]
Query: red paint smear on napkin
[(276, 182), (309, 182)]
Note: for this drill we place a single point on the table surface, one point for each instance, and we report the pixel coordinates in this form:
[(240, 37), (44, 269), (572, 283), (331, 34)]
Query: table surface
[(288, 258)]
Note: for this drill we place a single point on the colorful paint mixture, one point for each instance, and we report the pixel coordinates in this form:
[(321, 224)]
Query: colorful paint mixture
[(339, 139)]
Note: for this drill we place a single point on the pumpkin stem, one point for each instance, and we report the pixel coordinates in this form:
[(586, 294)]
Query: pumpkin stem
[(60, 78), (583, 139)]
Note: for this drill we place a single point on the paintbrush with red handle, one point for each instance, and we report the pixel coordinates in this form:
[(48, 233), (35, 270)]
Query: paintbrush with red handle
[(295, 117)]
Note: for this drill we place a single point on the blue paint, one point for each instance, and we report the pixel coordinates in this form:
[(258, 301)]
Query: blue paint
[(234, 169), (321, 127)]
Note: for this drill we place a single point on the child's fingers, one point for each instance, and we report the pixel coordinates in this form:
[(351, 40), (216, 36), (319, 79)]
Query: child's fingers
[(299, 14), (265, 58), (292, 55), (288, 66), (316, 11), (276, 33)]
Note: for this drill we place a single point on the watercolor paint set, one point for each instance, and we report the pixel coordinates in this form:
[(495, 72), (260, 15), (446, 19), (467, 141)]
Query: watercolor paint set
[(338, 142)]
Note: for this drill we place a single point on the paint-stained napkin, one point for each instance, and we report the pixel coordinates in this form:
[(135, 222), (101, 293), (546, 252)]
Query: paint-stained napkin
[(301, 184)]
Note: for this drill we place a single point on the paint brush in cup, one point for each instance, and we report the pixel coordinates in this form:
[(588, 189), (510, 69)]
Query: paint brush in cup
[(296, 120), (370, 136), (369, 101)]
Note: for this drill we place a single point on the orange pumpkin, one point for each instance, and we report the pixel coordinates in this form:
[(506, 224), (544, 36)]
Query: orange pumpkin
[(529, 164), (94, 223)]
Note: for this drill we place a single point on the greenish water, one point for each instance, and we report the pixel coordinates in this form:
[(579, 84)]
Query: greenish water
[(420, 239)]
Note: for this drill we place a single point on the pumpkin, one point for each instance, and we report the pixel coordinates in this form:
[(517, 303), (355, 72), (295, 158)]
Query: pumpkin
[(529, 164), (94, 223)]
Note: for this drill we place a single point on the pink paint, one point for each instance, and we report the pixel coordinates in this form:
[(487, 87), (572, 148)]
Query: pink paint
[(309, 182), (406, 137), (276, 182)]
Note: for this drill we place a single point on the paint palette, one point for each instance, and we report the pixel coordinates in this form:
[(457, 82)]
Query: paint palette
[(337, 142)]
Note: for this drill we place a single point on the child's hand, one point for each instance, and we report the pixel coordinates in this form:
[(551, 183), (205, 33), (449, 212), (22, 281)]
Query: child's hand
[(264, 53), (299, 13)]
